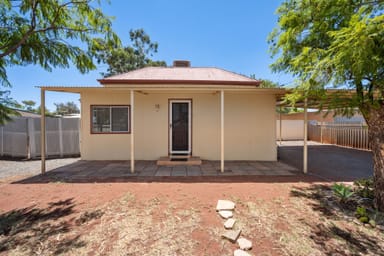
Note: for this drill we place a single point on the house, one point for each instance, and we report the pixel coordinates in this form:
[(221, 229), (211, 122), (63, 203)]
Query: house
[(176, 111)]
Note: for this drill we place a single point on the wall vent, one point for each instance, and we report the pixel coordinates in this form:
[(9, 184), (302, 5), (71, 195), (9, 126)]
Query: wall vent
[(182, 63)]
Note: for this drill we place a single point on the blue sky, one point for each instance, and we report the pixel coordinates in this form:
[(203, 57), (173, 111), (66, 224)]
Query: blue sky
[(216, 33)]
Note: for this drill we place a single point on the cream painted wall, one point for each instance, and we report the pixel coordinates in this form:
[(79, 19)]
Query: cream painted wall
[(102, 146), (249, 126)]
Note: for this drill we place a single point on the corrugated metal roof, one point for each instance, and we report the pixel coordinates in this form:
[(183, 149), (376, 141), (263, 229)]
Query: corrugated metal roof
[(188, 75)]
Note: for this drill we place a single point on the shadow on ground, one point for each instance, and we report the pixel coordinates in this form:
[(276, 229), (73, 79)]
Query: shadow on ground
[(325, 163), (339, 235), (330, 162), (40, 230)]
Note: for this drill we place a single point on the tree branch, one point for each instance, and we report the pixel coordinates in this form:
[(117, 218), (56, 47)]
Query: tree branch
[(26, 35), (32, 30)]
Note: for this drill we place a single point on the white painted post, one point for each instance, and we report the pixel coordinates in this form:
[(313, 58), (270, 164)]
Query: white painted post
[(305, 150), (42, 130), (280, 124), (61, 146), (132, 131), (30, 138), (222, 131), (2, 140)]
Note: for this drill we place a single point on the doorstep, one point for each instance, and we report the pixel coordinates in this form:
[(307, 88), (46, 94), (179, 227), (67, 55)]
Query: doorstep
[(173, 161)]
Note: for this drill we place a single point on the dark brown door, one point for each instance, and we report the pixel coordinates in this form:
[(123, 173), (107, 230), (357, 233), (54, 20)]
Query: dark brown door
[(180, 126)]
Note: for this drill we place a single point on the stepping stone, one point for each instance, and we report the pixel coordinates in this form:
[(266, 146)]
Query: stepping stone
[(226, 214), (229, 223), (231, 235), (239, 252), (225, 205), (244, 244)]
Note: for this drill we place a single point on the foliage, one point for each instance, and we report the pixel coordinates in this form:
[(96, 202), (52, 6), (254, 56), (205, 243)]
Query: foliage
[(124, 59), (364, 188), (51, 34), (46, 33), (29, 105), (6, 107), (342, 191), (47, 112), (66, 108), (332, 42), (336, 43), (289, 110), (266, 83), (361, 214)]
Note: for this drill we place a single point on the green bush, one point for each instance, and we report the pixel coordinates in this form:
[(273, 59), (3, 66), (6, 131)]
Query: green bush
[(364, 188), (361, 214), (364, 219), (342, 191)]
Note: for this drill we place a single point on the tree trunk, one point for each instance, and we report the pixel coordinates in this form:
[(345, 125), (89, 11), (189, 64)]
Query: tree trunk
[(375, 122)]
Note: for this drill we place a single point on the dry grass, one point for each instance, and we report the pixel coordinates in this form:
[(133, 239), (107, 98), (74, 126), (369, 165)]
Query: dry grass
[(302, 224), (158, 229)]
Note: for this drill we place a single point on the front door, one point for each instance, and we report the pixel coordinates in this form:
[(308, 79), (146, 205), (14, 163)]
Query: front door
[(180, 126)]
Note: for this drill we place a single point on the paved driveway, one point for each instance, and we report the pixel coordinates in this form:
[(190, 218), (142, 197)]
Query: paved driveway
[(329, 161)]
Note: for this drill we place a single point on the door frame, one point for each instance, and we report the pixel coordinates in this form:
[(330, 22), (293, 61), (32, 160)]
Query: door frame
[(170, 130)]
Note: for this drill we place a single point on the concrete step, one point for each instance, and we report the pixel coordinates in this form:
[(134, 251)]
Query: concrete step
[(179, 160)]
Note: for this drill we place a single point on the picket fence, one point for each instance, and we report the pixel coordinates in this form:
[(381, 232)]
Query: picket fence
[(21, 137), (342, 134)]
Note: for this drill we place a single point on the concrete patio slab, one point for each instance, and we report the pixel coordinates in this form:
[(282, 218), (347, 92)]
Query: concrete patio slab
[(94, 171), (194, 171)]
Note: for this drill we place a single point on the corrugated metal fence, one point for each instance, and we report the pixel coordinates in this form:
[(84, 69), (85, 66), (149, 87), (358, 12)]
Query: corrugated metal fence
[(21, 137), (343, 134)]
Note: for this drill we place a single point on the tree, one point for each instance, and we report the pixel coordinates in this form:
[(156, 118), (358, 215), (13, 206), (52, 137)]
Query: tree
[(339, 43), (66, 108), (47, 112), (266, 83), (124, 59), (6, 107), (52, 33), (29, 105)]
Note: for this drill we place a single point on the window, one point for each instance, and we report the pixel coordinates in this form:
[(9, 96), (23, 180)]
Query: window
[(110, 119)]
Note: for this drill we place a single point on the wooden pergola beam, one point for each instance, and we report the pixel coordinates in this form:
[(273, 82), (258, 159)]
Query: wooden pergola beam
[(42, 130)]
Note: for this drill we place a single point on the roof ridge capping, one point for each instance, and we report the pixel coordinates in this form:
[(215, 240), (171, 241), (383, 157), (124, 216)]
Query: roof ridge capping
[(182, 74)]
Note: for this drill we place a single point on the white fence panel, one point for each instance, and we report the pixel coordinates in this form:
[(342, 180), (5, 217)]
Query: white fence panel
[(290, 129), (21, 137), (14, 138)]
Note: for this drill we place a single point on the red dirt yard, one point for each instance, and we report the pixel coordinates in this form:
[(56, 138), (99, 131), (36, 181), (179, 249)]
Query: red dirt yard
[(281, 216)]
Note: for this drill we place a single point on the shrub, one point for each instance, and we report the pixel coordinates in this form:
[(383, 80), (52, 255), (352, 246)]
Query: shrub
[(361, 214), (365, 188), (342, 191)]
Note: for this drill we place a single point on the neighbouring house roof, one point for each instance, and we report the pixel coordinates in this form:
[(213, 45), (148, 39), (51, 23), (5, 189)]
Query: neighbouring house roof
[(25, 113), (180, 75)]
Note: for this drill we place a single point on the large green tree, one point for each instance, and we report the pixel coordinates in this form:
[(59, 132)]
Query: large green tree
[(337, 43), (52, 33), (128, 58)]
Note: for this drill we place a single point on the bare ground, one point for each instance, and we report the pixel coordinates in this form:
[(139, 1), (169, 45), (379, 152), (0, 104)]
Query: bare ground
[(280, 218)]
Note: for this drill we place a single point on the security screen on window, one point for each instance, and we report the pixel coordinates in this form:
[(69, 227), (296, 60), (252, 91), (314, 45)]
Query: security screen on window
[(110, 119)]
